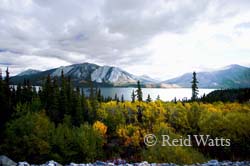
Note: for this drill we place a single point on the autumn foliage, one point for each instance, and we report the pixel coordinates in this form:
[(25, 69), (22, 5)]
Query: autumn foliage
[(59, 122)]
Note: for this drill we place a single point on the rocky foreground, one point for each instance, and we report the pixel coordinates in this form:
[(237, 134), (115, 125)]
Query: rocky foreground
[(5, 161)]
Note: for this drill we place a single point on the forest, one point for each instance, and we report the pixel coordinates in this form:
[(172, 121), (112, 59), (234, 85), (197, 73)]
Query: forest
[(60, 122)]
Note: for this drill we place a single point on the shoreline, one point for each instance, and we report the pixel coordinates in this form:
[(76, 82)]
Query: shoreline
[(5, 161)]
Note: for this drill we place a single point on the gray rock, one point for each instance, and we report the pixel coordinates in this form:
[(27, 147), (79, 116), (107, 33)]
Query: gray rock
[(53, 163), (5, 161), (99, 163), (74, 164), (144, 163), (129, 164), (23, 163)]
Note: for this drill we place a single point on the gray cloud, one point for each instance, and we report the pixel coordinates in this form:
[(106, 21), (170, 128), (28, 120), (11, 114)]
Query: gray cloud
[(102, 31)]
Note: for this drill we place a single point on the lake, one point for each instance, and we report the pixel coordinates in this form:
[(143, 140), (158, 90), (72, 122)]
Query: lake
[(165, 94)]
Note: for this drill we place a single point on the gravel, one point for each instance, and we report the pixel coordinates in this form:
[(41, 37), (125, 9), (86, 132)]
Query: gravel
[(144, 163)]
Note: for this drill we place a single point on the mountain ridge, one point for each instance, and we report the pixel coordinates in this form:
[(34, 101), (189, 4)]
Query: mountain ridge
[(232, 76), (28, 72), (85, 72)]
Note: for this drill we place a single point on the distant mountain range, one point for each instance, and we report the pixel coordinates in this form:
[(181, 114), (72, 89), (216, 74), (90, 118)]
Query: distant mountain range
[(233, 76)]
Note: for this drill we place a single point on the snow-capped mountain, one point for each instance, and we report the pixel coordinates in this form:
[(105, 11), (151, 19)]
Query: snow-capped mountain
[(85, 72)]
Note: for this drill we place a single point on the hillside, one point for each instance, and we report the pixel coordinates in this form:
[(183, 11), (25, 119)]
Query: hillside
[(82, 74), (233, 76)]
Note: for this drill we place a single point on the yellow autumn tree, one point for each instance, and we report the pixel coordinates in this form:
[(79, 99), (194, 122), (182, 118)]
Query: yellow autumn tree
[(131, 135), (100, 127)]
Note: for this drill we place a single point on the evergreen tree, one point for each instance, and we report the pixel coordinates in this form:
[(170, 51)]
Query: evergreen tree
[(2, 111), (77, 114), (203, 97), (84, 106), (195, 90), (6, 109), (55, 114), (99, 95), (148, 98), (175, 100), (93, 104), (62, 97), (27, 91), (107, 99), (7, 77), (139, 91), (8, 95), (122, 99), (92, 93), (46, 94), (1, 77), (133, 96), (158, 98), (18, 93), (139, 114), (69, 95), (116, 97)]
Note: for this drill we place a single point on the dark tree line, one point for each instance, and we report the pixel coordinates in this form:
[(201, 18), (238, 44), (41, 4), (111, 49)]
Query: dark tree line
[(58, 104), (6, 101), (57, 96), (228, 95), (225, 95)]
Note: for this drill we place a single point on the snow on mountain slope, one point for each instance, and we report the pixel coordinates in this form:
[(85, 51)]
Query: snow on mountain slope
[(58, 71), (77, 71), (109, 74)]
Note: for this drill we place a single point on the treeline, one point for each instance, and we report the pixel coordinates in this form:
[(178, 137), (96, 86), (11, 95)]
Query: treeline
[(60, 122), (228, 95), (55, 122)]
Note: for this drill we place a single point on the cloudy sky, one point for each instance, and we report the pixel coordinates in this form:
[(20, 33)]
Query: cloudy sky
[(160, 38)]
